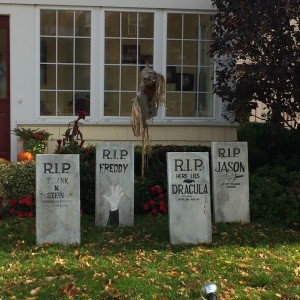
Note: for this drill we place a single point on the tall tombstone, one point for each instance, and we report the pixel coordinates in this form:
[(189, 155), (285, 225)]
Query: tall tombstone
[(230, 182), (57, 198), (114, 184), (189, 197)]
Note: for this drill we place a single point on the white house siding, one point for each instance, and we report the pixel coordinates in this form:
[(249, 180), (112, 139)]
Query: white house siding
[(24, 82)]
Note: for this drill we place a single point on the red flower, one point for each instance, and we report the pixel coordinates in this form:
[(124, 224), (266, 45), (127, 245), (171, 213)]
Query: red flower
[(12, 202), (20, 214), (161, 196), (81, 115), (162, 203), (146, 206), (28, 214), (11, 210), (154, 211), (154, 188), (36, 136), (152, 202), (159, 191)]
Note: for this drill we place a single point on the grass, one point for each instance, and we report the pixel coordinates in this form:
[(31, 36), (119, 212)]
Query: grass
[(246, 261)]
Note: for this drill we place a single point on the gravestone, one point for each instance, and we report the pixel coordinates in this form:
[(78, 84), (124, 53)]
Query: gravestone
[(230, 182), (57, 198), (189, 197), (114, 184)]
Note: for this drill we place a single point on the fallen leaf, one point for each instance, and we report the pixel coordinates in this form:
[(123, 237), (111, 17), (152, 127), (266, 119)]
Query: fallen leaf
[(35, 291)]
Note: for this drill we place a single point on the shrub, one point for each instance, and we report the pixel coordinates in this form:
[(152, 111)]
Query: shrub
[(268, 145), (275, 195), (156, 159), (87, 179), (150, 196), (17, 182)]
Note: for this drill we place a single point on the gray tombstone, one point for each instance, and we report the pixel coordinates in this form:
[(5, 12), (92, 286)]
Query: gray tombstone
[(230, 182), (57, 198), (114, 184), (189, 197)]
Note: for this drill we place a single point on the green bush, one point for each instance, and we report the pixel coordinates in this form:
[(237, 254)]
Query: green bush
[(268, 145), (275, 195), (17, 180), (156, 159), (143, 194), (87, 179)]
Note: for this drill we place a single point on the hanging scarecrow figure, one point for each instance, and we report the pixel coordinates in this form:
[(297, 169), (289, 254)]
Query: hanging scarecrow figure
[(150, 96)]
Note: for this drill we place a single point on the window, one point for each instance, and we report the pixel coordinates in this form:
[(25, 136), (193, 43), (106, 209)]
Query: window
[(129, 39), (189, 68), (125, 44), (65, 62)]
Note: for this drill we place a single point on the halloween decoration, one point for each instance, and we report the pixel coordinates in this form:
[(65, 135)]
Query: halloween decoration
[(150, 96), (24, 156)]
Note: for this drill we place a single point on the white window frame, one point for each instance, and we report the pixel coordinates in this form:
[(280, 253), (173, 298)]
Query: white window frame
[(97, 70)]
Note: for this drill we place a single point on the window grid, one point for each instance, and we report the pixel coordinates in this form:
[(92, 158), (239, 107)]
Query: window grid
[(125, 95), (75, 101), (179, 91)]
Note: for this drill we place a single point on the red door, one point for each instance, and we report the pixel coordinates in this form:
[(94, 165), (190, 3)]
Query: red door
[(4, 89)]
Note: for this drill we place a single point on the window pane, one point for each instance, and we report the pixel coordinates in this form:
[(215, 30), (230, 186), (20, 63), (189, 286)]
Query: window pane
[(111, 76), (130, 52), (129, 80), (48, 22), (174, 53), (205, 59), (190, 28), (174, 26), (83, 23), (190, 53), (146, 53), (173, 104), (82, 50), (48, 50), (112, 50), (146, 25), (65, 23), (82, 77), (126, 103), (48, 76), (112, 24), (111, 104), (205, 79), (82, 102), (65, 50), (205, 104), (205, 27), (129, 24), (48, 104), (65, 77), (65, 103), (189, 108)]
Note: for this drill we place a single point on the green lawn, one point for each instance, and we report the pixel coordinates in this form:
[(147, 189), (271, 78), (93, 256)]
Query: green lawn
[(250, 261)]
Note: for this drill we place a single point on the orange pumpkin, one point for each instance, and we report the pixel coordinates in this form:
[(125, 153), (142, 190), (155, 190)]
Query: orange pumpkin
[(24, 156)]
